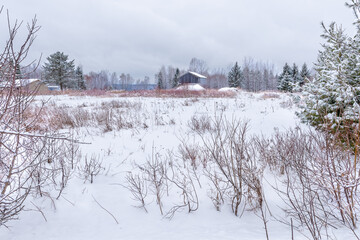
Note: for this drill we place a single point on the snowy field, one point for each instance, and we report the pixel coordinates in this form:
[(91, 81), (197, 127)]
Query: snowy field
[(154, 128)]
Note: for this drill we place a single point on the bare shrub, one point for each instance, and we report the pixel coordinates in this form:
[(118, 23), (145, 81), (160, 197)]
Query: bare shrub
[(61, 118), (279, 150), (136, 184), (80, 117), (182, 178), (287, 103), (155, 175), (335, 170), (108, 116), (190, 152), (136, 106), (190, 101), (217, 192), (233, 166), (159, 177), (200, 124), (270, 96), (320, 181), (90, 168), (159, 120), (104, 117), (57, 164)]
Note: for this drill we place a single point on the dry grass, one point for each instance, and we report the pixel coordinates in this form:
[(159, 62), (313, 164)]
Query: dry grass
[(270, 96), (107, 116), (170, 93)]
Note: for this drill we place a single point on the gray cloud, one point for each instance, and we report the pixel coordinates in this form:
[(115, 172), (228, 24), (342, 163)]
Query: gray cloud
[(138, 36)]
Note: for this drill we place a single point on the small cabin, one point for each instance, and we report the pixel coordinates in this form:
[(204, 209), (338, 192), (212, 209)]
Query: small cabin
[(192, 77)]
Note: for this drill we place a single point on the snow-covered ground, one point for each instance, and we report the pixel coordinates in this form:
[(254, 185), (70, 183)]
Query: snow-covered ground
[(80, 212), (191, 87)]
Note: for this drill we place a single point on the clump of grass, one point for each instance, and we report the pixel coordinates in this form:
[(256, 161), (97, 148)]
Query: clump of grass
[(270, 96)]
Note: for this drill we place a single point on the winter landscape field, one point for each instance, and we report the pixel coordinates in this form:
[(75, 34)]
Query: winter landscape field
[(124, 135), (108, 131)]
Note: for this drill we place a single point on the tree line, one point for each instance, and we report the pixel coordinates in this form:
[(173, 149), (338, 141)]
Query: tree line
[(61, 71), (250, 75)]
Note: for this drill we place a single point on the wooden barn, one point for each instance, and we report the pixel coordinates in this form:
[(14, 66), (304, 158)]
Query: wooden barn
[(33, 86), (192, 77)]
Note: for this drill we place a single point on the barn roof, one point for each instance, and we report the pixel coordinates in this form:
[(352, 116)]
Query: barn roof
[(25, 82), (18, 82), (195, 74)]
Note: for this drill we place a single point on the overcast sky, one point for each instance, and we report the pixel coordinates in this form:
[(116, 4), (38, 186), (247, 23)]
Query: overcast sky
[(138, 36)]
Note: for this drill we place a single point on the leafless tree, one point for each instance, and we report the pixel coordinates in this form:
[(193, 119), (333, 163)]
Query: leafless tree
[(22, 148), (15, 181), (199, 66), (258, 76), (98, 80), (217, 79)]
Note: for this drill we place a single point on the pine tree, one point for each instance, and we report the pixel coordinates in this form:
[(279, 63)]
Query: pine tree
[(332, 98), (80, 78), (18, 72), (175, 82), (286, 79), (235, 76), (304, 74), (296, 78), (160, 83), (60, 70)]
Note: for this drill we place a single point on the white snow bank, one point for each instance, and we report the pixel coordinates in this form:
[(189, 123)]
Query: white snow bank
[(228, 89), (191, 87)]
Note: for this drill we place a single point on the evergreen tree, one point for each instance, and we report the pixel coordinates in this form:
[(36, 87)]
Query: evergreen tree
[(332, 98), (175, 82), (286, 79), (18, 72), (304, 74), (296, 78), (235, 76), (58, 69), (16, 66), (266, 79), (160, 81), (79, 76)]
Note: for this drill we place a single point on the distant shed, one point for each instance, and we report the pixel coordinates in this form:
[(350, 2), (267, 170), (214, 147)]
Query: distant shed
[(192, 77)]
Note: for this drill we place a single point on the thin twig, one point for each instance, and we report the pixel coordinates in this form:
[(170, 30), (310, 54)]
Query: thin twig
[(105, 210), (42, 213)]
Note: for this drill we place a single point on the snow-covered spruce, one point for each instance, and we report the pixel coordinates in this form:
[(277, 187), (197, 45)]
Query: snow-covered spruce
[(332, 98)]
